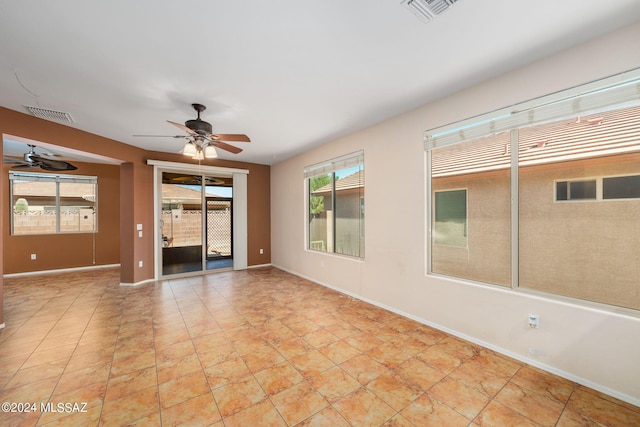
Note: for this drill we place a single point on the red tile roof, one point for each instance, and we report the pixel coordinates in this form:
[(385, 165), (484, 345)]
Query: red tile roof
[(602, 134), (349, 182)]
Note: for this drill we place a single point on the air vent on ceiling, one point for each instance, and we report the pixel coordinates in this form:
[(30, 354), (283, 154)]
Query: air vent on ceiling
[(426, 10), (45, 113)]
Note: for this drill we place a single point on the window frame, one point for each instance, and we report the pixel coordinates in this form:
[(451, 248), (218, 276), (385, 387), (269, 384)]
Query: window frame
[(596, 197), (600, 190), (58, 179), (331, 167), (608, 94), (607, 199)]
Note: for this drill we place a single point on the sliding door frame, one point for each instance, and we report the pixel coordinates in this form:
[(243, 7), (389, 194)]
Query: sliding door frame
[(240, 244)]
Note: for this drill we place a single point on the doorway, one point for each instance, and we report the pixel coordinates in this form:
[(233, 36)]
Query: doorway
[(194, 238), (200, 218)]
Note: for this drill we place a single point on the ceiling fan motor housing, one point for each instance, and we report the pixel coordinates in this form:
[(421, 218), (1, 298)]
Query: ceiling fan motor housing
[(199, 126)]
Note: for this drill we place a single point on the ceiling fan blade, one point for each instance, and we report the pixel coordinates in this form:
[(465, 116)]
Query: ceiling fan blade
[(65, 167), (230, 137), (25, 166), (183, 127), (11, 160), (53, 165), (161, 136), (226, 147)]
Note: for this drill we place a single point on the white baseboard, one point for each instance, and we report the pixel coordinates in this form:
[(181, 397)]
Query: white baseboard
[(260, 266), (2, 325), (532, 362), (142, 282), (60, 270)]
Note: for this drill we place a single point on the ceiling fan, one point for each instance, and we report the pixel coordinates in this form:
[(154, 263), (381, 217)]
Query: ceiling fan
[(32, 160), (174, 178), (201, 141)]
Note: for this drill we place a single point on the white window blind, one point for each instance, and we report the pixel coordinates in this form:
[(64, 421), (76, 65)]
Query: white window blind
[(336, 164), (48, 177), (620, 90)]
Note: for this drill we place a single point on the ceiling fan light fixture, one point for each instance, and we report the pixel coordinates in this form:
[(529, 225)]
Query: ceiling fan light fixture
[(198, 155), (199, 137), (210, 152), (189, 149)]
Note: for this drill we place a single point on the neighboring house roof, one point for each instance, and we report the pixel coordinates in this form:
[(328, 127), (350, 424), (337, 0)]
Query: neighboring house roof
[(181, 195), (349, 182), (603, 134), (48, 189), (178, 193)]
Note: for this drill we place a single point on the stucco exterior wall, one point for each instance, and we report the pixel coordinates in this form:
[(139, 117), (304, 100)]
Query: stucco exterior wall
[(487, 255), (582, 249)]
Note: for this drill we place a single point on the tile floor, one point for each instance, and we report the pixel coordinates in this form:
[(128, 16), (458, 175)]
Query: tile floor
[(258, 348)]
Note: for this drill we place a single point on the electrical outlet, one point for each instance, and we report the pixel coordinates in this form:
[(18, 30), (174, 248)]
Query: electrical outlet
[(139, 263), (534, 321), (33, 256), (261, 251)]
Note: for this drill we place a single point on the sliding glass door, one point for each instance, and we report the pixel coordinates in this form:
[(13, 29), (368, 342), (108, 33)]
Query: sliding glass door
[(181, 223), (195, 239)]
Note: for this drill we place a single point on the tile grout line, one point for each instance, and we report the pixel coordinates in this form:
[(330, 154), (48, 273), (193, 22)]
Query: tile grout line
[(75, 348), (204, 373)]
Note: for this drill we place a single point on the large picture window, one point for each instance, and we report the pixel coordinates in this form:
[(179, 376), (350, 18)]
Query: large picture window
[(335, 205), (552, 195), (50, 204)]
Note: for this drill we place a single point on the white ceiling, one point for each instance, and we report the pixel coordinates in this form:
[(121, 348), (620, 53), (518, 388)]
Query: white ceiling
[(291, 74)]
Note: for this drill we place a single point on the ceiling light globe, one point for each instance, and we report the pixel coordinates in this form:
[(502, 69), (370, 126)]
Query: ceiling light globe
[(189, 149), (210, 152)]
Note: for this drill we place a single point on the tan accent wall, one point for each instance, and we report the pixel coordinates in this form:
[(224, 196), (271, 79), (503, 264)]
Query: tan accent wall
[(136, 207), (258, 203), (133, 188), (21, 125), (56, 251)]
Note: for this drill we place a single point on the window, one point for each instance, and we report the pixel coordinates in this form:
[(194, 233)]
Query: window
[(335, 205), (524, 171), (621, 187), (470, 227), (50, 204), (601, 188), (450, 219), (576, 190)]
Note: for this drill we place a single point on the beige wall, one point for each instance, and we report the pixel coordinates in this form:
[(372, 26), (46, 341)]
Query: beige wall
[(594, 346)]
